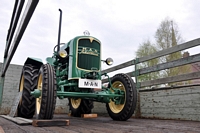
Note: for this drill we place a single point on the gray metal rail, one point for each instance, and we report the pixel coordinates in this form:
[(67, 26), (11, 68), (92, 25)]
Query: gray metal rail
[(9, 52)]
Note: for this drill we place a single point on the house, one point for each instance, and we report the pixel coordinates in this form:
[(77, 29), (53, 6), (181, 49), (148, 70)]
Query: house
[(194, 67)]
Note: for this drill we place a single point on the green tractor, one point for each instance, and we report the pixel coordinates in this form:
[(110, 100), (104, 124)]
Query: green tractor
[(74, 72)]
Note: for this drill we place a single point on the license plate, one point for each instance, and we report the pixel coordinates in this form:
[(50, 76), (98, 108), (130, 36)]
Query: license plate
[(89, 83)]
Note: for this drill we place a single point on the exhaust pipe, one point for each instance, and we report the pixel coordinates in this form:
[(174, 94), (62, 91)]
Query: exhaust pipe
[(59, 30)]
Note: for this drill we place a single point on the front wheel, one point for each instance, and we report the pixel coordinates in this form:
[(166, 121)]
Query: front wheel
[(45, 104), (123, 112)]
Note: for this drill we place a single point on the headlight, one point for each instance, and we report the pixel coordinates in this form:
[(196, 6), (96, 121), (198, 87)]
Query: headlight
[(62, 53), (109, 61)]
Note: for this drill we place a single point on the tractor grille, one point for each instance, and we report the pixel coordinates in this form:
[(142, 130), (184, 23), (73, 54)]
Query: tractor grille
[(88, 54)]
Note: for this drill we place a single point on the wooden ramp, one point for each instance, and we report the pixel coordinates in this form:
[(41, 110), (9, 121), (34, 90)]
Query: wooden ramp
[(36, 123), (18, 120)]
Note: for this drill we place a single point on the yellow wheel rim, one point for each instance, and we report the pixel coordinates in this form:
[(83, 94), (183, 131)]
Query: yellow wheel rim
[(38, 100), (117, 108), (21, 87), (75, 103)]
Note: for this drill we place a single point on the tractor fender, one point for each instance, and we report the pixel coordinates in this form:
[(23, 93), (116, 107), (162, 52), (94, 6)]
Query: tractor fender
[(34, 61)]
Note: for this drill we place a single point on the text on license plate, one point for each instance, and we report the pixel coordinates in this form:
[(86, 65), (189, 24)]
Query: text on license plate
[(89, 83)]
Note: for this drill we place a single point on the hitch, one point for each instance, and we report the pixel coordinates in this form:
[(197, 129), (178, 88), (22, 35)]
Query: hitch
[(36, 93)]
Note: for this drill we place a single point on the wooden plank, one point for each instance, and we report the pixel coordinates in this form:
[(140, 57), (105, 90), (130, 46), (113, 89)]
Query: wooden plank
[(1, 130), (123, 65), (180, 47), (171, 116), (182, 103), (183, 77), (170, 50), (69, 114), (45, 123), (14, 106), (24, 119), (175, 63), (168, 104), (171, 102), (106, 79), (183, 111), (17, 120), (169, 88), (171, 91), (172, 98), (88, 115)]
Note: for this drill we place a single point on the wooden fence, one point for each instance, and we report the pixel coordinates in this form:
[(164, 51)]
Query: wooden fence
[(167, 65), (171, 102)]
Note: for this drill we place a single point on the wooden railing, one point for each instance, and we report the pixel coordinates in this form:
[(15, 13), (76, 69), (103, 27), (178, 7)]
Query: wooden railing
[(163, 66)]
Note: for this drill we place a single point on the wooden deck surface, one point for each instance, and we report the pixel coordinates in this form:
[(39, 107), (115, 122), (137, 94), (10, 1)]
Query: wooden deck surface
[(104, 125)]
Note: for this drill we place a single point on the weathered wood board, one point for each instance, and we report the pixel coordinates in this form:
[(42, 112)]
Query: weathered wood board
[(44, 123), (14, 106), (88, 115), (181, 103), (18, 120)]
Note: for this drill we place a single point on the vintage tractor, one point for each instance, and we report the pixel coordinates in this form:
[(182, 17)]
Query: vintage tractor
[(74, 72)]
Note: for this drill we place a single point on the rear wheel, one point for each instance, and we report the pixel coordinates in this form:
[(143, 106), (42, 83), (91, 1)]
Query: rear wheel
[(80, 106), (45, 104), (123, 111), (28, 82)]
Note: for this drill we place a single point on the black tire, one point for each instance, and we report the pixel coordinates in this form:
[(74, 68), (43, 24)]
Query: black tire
[(28, 83), (80, 106), (45, 104), (124, 111)]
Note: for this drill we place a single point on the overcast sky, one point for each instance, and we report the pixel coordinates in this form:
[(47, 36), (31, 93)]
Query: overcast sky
[(120, 25)]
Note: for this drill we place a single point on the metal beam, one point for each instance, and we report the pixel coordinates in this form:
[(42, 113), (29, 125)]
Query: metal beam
[(31, 5), (13, 24)]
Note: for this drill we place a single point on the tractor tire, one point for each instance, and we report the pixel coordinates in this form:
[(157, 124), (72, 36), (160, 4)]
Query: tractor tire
[(28, 83), (80, 106), (123, 112), (45, 104)]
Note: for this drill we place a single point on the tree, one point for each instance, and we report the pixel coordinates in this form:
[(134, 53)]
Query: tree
[(145, 49), (167, 35)]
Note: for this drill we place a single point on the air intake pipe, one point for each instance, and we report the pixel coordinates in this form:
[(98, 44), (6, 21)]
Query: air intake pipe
[(59, 31)]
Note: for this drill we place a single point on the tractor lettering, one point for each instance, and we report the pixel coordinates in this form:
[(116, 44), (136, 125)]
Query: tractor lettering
[(95, 84), (86, 83)]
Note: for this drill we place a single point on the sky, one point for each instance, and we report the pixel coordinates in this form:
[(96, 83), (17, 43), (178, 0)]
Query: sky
[(121, 26)]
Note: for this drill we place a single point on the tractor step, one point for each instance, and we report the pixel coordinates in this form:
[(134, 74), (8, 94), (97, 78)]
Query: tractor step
[(45, 123)]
